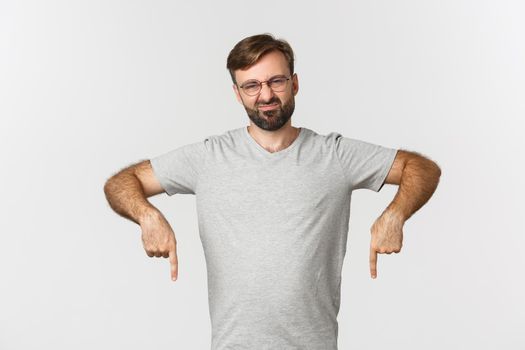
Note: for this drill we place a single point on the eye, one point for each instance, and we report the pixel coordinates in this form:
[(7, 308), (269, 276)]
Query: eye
[(278, 80), (278, 83), (250, 85)]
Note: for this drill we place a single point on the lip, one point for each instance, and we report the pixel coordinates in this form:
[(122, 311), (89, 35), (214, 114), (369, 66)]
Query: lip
[(267, 108)]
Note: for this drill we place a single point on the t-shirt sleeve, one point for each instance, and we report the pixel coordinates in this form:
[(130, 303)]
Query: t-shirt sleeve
[(365, 165), (178, 170)]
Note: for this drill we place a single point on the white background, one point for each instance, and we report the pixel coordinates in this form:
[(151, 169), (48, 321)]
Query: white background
[(89, 87)]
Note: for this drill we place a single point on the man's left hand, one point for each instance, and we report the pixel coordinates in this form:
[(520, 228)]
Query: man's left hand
[(387, 237)]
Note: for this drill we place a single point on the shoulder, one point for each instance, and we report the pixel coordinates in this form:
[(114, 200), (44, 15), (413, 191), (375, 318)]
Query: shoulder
[(316, 137), (350, 143), (331, 139), (227, 139), (347, 147)]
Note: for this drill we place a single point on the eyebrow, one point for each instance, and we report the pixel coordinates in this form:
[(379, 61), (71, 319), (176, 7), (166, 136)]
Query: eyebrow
[(255, 80)]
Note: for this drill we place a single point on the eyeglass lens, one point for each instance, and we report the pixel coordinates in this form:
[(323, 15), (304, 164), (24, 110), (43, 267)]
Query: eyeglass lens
[(276, 84)]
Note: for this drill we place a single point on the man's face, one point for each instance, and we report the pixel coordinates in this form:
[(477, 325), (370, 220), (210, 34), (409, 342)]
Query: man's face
[(269, 110)]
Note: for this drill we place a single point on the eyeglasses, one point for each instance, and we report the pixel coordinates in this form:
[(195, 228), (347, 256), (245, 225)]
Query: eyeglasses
[(253, 87)]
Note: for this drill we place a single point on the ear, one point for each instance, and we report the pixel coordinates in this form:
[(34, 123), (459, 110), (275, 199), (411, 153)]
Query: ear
[(237, 93), (295, 84)]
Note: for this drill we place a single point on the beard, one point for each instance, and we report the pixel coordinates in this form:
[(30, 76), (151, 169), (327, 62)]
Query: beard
[(273, 119)]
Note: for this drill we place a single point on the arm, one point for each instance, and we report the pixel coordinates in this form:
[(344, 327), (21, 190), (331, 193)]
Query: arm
[(417, 178), (127, 193), (128, 190)]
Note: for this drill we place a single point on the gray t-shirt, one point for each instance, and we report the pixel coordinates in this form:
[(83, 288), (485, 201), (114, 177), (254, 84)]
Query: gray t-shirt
[(274, 227)]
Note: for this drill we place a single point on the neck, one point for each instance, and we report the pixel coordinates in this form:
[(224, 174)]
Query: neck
[(274, 141)]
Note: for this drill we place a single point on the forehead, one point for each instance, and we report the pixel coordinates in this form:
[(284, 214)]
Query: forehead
[(271, 64)]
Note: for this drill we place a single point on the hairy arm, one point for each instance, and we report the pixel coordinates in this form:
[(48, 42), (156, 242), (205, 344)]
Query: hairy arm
[(127, 192), (417, 177)]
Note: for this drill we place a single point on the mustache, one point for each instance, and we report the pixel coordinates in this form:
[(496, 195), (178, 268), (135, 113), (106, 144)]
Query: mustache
[(271, 102)]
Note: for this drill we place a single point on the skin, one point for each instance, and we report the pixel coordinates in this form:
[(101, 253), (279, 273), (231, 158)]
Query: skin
[(417, 177), (127, 193), (272, 129)]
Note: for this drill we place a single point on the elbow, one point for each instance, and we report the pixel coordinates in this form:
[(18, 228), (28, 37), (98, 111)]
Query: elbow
[(435, 172), (111, 185), (423, 167), (428, 167), (437, 169), (108, 187)]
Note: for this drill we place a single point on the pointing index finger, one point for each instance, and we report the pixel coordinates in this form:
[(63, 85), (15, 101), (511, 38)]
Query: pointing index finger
[(373, 262), (174, 264)]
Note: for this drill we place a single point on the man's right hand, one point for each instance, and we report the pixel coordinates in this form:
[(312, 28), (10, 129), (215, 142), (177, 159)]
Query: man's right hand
[(159, 239)]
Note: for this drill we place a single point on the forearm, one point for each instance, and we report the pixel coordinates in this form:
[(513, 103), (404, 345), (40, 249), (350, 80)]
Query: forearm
[(126, 197), (419, 180)]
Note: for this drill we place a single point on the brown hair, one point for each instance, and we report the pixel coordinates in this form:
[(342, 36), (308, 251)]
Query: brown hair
[(249, 50)]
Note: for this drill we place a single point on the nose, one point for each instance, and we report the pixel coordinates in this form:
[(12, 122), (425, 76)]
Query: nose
[(266, 93)]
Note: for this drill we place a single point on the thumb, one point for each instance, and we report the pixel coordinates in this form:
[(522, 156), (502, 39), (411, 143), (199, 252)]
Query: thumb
[(174, 264)]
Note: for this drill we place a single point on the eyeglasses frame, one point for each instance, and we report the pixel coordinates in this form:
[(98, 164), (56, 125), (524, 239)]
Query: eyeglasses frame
[(263, 82)]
